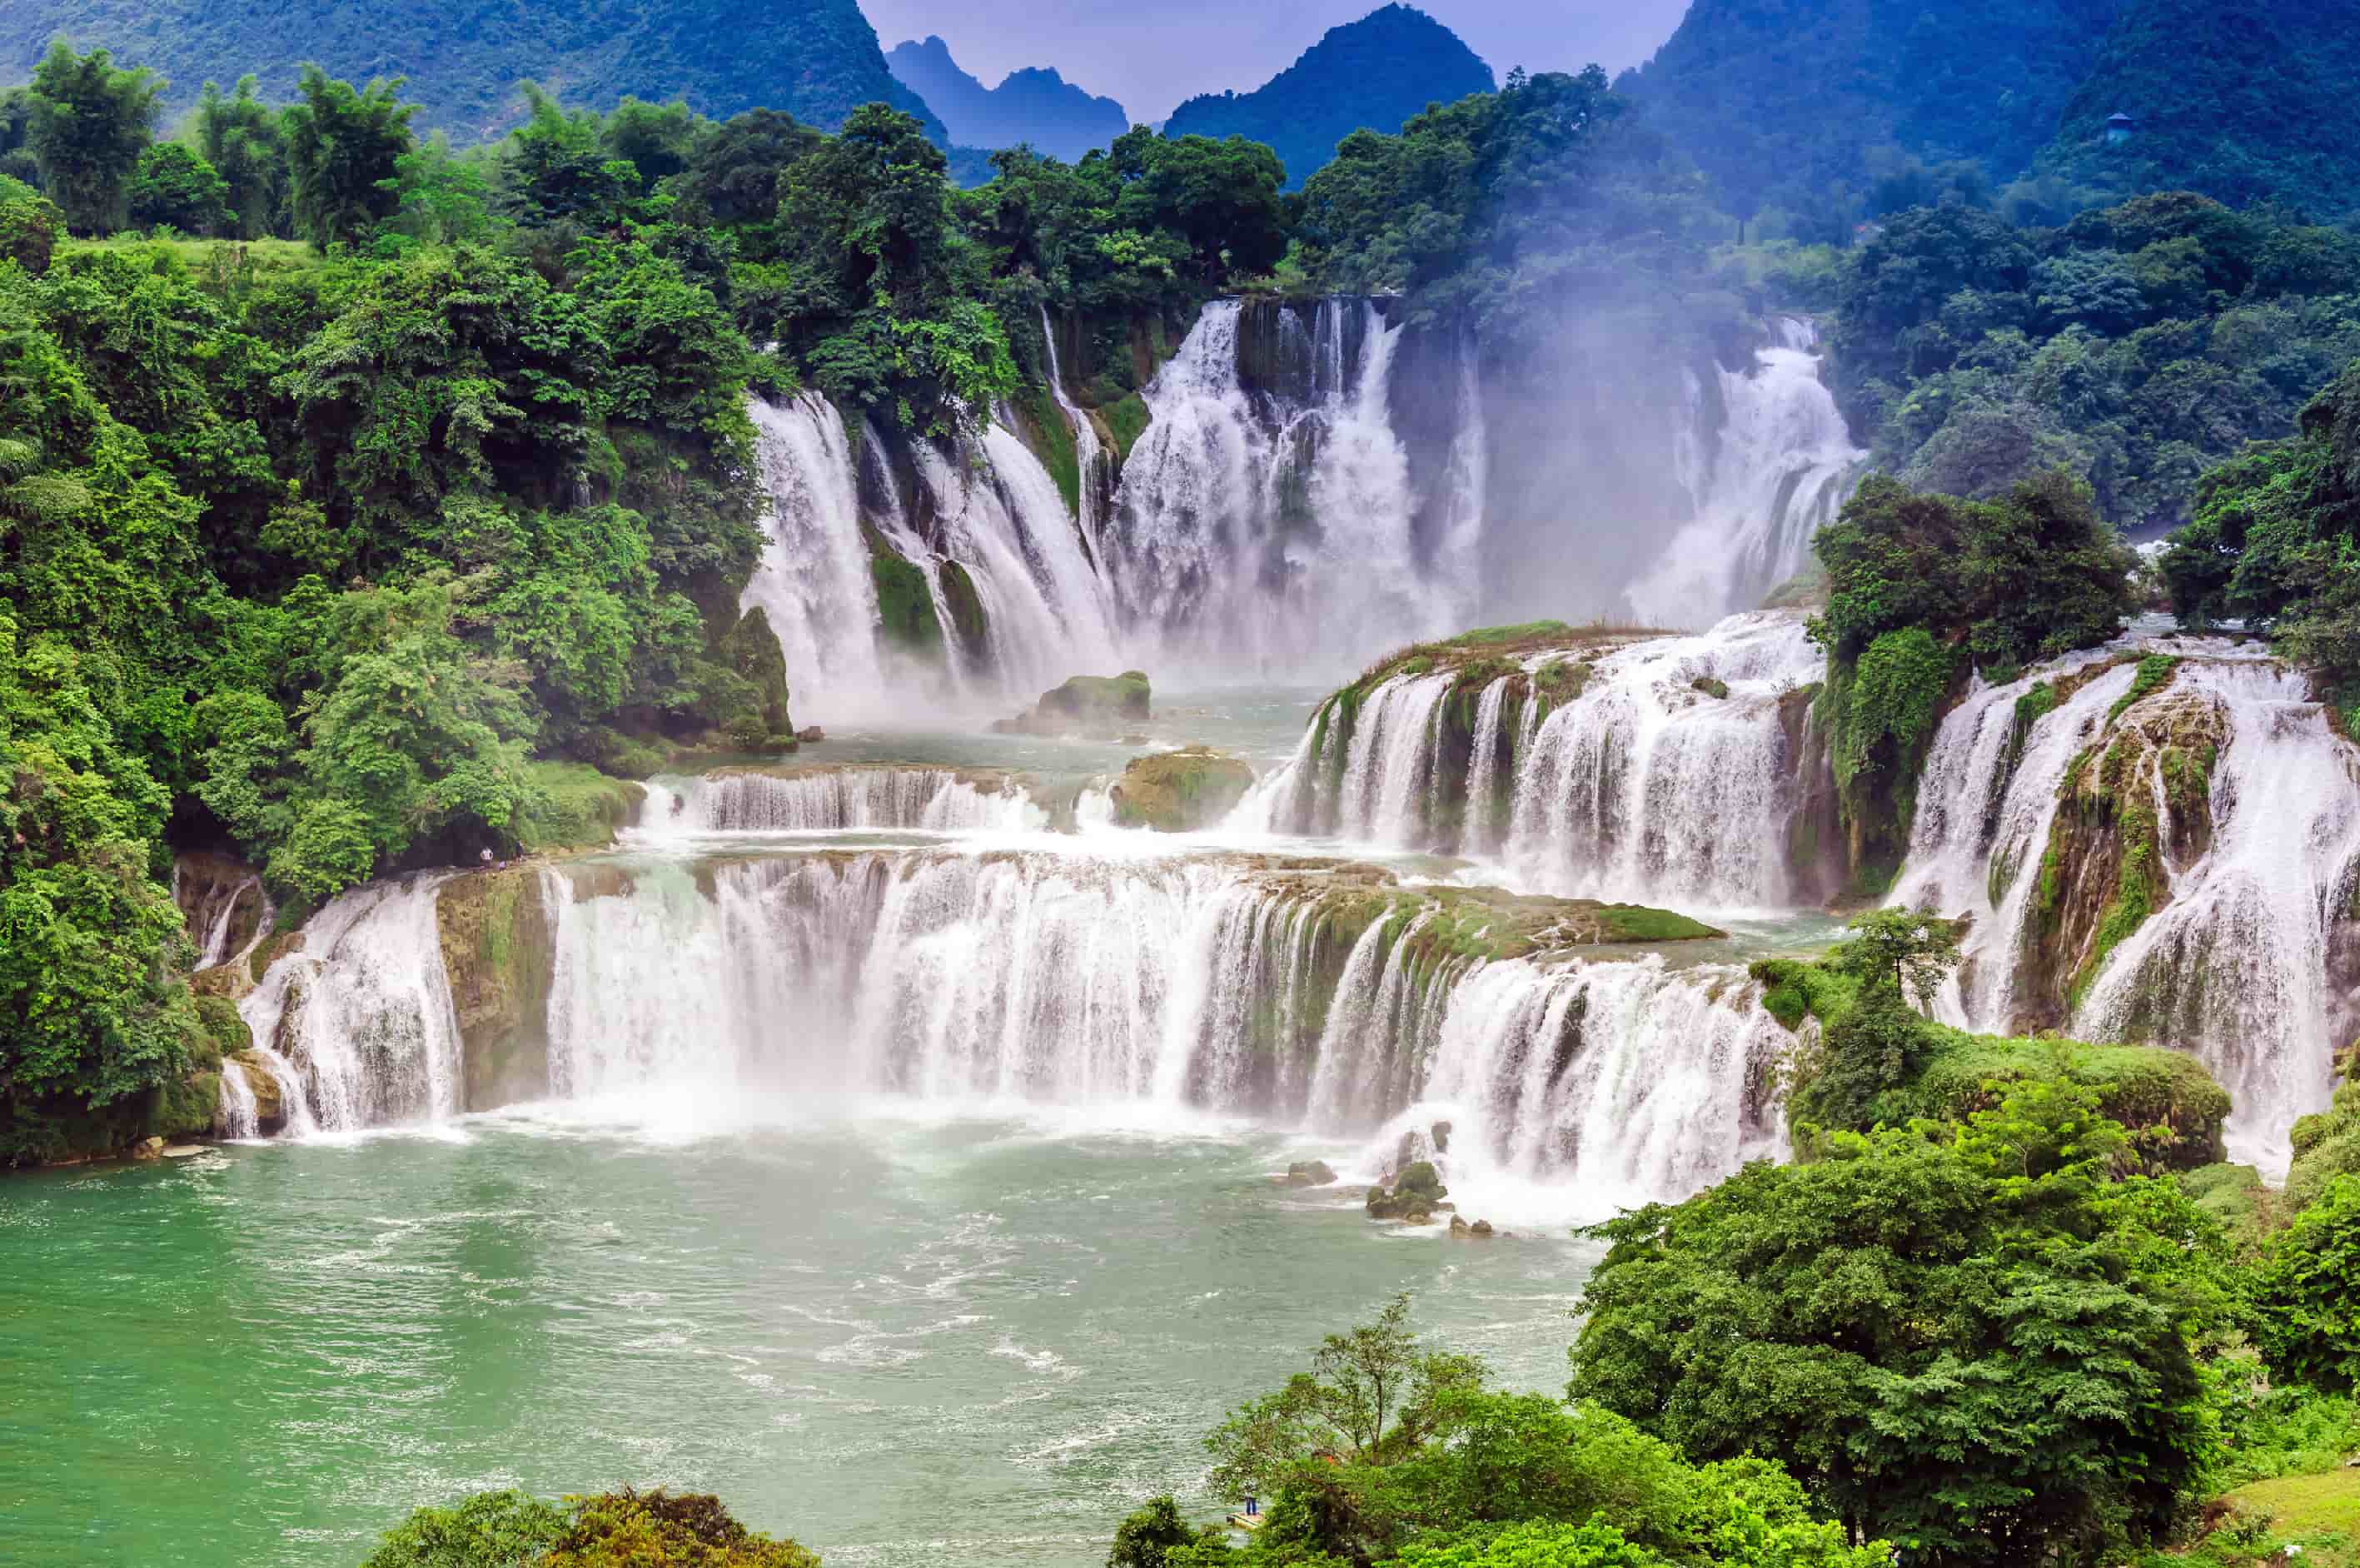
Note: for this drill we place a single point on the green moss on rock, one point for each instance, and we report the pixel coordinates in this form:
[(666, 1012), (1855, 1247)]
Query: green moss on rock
[(905, 605), (499, 957), (1086, 704), (577, 807), (1180, 791)]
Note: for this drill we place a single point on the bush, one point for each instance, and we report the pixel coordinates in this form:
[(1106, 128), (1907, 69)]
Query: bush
[(615, 1530), (2309, 1294)]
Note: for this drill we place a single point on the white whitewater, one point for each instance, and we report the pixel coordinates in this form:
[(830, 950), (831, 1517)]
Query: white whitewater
[(1975, 814), (1782, 464), (1634, 1081), (357, 1023), (814, 581), (1003, 520), (926, 799), (2235, 966), (1643, 789), (1255, 534)]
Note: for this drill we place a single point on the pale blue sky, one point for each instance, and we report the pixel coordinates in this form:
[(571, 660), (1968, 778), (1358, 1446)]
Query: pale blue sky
[(1151, 57)]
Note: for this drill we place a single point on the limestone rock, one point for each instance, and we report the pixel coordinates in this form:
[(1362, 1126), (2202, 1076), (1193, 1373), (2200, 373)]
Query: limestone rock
[(1085, 704), (1180, 791), (1310, 1173)]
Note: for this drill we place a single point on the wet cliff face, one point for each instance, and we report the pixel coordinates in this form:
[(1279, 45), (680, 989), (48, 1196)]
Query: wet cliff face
[(498, 957)]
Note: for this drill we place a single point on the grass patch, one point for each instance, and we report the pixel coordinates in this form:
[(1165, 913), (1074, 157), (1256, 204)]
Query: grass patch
[(1126, 421), (2153, 674), (580, 808)]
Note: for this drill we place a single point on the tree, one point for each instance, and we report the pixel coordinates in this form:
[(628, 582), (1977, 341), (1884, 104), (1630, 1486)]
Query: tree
[(1943, 1350), (2309, 1294), (240, 136), (343, 155), (1221, 199), (90, 124), (176, 188)]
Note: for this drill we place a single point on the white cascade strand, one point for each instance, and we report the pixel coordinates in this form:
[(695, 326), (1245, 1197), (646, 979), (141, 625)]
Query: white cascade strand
[(239, 1114), (358, 1022), (1088, 453), (924, 799), (1973, 811), (1004, 522), (2235, 967), (1783, 465), (813, 582), (214, 951), (1483, 771)]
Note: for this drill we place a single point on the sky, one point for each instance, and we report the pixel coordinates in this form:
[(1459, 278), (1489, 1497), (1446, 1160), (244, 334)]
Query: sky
[(1151, 57)]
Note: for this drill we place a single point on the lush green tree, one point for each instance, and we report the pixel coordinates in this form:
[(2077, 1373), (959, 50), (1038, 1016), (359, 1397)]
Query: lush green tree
[(176, 188), (1942, 1349), (2308, 1293), (734, 176), (613, 1529), (240, 136), (556, 167), (30, 226), (658, 141), (1220, 198), (343, 155), (90, 125)]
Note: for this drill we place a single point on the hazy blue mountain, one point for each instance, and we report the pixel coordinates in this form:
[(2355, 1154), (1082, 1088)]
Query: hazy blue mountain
[(1034, 105), (1372, 73), (817, 60)]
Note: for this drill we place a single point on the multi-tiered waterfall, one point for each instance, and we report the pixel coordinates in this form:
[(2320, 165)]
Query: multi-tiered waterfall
[(1325, 998)]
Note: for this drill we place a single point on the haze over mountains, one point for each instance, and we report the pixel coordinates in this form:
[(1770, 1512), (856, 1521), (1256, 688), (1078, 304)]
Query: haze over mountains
[(1034, 105)]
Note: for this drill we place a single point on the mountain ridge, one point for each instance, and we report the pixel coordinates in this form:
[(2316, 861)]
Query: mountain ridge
[(1034, 105)]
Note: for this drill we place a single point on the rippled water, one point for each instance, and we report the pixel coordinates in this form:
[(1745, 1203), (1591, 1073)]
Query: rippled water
[(904, 1342)]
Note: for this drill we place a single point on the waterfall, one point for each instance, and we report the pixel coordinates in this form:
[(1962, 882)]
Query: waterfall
[(2235, 967), (884, 796), (814, 581), (1641, 787), (1003, 520), (1088, 455), (240, 1115), (357, 1022), (1272, 529), (1783, 466), (1077, 978), (1635, 1081), (1987, 801)]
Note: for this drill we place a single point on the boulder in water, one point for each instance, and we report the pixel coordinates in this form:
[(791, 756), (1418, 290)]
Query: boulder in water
[(810, 735), (1085, 704), (1418, 1193), (270, 1103), (1180, 791), (1310, 1173)]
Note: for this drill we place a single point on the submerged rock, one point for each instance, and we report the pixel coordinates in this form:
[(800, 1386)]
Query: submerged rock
[(1310, 1173), (1085, 704), (1180, 791)]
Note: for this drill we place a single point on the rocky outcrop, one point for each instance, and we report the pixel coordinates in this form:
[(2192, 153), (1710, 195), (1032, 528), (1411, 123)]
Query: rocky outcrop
[(1086, 705), (2135, 805), (1310, 1173), (498, 955), (1415, 1197), (1180, 791), (222, 902)]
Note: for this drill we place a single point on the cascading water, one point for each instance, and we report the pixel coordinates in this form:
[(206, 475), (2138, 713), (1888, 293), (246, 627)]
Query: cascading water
[(2235, 966), (1273, 530), (1003, 521), (813, 582), (1987, 798), (927, 800), (1670, 776), (1089, 455), (1640, 1081), (357, 1023), (1783, 464)]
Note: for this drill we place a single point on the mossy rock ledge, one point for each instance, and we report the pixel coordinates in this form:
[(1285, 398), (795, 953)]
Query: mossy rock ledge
[(498, 953), (1180, 791), (1086, 705)]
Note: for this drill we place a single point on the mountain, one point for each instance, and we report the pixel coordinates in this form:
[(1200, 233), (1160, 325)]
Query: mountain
[(2241, 100), (1372, 73), (1034, 105), (817, 60), (1780, 100)]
